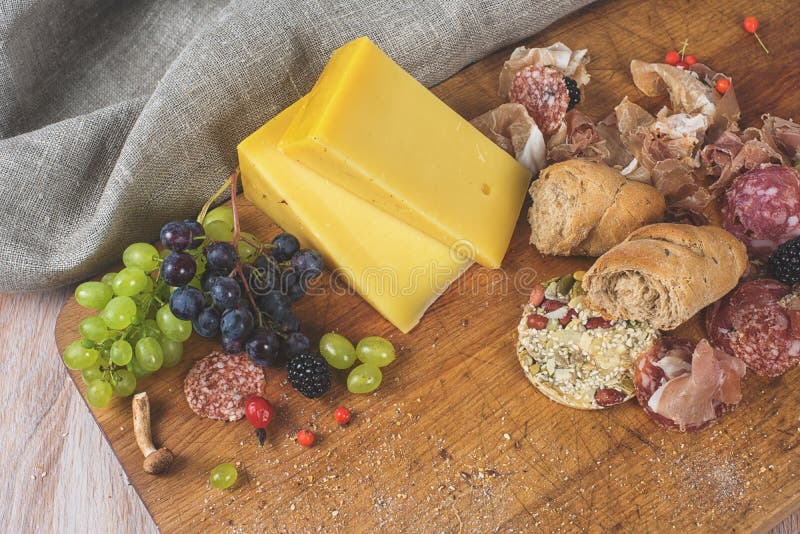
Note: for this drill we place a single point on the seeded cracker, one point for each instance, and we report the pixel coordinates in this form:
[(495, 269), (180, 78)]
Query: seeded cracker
[(571, 363)]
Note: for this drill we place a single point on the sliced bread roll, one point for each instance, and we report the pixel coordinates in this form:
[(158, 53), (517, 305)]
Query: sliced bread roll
[(665, 273), (582, 208)]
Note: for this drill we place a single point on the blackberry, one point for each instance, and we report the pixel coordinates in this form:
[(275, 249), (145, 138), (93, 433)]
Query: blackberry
[(574, 92), (785, 262), (309, 374)]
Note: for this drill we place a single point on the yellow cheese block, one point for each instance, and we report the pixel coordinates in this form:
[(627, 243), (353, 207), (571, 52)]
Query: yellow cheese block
[(397, 269), (373, 129)]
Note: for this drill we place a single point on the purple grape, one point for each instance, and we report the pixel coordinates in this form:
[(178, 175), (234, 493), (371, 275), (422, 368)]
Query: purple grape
[(263, 276), (297, 343), (197, 231), (263, 348), (284, 246), (208, 277), (224, 292), (186, 302), (236, 323), (232, 346), (176, 236), (308, 263), (178, 269), (207, 322), (274, 303), (221, 256), (296, 288)]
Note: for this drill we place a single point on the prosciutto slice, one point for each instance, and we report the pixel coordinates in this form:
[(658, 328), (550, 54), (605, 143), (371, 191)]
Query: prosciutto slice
[(692, 399), (686, 92), (511, 128), (786, 134), (559, 56), (581, 138)]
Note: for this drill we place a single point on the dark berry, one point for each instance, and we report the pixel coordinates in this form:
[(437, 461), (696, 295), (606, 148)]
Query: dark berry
[(297, 343), (785, 262), (208, 277), (309, 374), (574, 92), (284, 246), (221, 256), (176, 236), (186, 302), (198, 233), (178, 269), (263, 276), (274, 303), (207, 323)]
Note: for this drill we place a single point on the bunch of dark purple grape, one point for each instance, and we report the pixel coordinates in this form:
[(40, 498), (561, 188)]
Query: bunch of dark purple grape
[(243, 296)]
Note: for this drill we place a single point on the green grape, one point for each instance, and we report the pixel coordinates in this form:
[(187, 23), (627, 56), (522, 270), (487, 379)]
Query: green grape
[(119, 312), (219, 231), (98, 393), (91, 374), (149, 354), (93, 328), (78, 357), (337, 351), (173, 350), (141, 255), (129, 281), (247, 252), (364, 378), (149, 284), (220, 213), (150, 328), (123, 382), (121, 352), (171, 326), (108, 278), (134, 367), (93, 295), (375, 350), (164, 252), (224, 476)]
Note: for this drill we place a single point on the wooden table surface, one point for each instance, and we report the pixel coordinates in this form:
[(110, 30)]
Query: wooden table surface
[(60, 473)]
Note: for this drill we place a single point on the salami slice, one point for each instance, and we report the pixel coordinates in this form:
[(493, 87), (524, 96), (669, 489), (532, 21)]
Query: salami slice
[(752, 324), (762, 208), (543, 93), (218, 385)]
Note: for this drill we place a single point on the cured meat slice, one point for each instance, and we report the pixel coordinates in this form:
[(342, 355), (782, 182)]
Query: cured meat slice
[(568, 62), (684, 386), (786, 135), (543, 93), (762, 208), (754, 323), (511, 128), (218, 385)]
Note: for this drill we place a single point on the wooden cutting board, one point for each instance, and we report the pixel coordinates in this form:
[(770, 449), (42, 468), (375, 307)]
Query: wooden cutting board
[(456, 439)]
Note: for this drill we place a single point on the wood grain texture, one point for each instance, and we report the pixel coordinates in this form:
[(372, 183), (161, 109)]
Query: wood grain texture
[(456, 439)]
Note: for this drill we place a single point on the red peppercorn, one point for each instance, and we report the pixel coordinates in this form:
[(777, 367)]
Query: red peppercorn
[(551, 305), (750, 24), (537, 295), (305, 438), (672, 58), (690, 59), (723, 84), (342, 415), (597, 322), (259, 412), (537, 322), (682, 65)]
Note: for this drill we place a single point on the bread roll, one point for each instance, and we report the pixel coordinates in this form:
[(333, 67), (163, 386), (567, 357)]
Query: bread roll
[(665, 273), (582, 208)]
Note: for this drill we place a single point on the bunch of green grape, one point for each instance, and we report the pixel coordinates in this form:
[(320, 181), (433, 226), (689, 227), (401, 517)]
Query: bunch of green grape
[(373, 352), (134, 332)]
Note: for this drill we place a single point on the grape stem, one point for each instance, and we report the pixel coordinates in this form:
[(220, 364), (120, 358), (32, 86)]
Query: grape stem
[(237, 235)]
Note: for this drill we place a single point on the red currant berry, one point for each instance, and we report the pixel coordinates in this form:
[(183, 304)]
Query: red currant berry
[(342, 415), (750, 24), (690, 59), (672, 58), (723, 84), (305, 438)]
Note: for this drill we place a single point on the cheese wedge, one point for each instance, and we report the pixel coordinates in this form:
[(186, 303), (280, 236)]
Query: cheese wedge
[(373, 129), (397, 269)]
